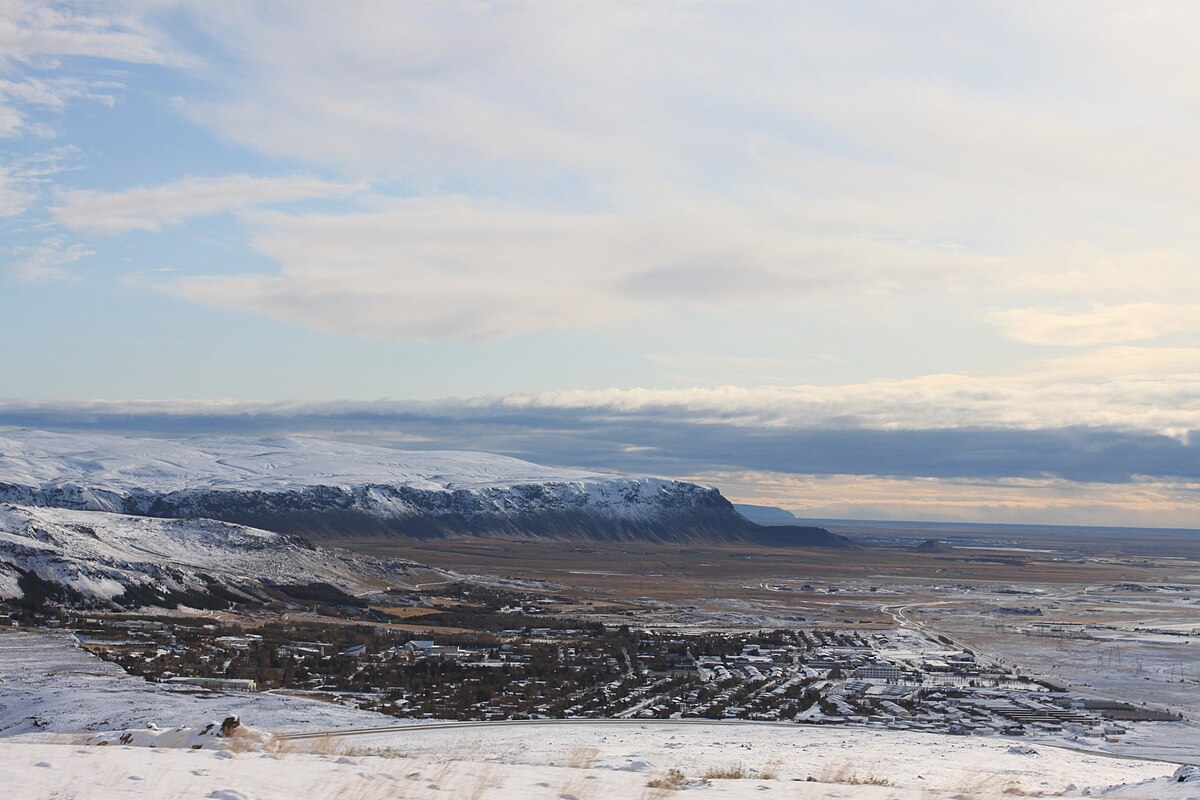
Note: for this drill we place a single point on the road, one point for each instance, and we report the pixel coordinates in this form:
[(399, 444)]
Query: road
[(899, 613)]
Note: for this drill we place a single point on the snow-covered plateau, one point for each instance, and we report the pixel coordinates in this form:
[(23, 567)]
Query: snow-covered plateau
[(324, 488), (74, 726)]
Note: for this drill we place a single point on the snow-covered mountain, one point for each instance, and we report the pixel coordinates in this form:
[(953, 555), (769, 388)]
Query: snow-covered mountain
[(330, 489), (128, 465), (100, 557)]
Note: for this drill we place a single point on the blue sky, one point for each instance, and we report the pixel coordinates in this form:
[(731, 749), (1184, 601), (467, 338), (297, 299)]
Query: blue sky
[(925, 260)]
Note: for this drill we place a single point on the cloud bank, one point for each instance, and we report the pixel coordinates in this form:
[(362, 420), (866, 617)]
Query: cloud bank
[(1074, 475), (661, 438)]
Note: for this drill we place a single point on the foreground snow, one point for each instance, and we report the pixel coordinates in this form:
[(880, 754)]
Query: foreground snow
[(49, 685), (788, 754), (228, 734), (635, 762)]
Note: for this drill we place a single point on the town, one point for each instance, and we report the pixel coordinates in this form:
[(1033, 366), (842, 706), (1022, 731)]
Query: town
[(896, 679)]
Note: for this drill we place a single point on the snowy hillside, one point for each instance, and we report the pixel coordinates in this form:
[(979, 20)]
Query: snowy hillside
[(126, 465), (103, 556), (325, 488)]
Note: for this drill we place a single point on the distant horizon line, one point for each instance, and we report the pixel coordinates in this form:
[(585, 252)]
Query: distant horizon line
[(966, 524)]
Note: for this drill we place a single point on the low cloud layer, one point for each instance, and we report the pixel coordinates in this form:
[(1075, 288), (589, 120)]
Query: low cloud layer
[(661, 440)]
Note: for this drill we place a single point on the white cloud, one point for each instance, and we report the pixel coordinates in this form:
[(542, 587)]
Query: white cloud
[(1139, 390), (15, 195), (29, 29), (700, 152), (151, 207), (22, 179), (38, 34), (17, 96), (573, 166), (1098, 325), (1128, 388), (462, 267), (47, 261), (676, 97)]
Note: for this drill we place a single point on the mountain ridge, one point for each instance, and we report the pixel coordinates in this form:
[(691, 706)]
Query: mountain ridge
[(334, 490)]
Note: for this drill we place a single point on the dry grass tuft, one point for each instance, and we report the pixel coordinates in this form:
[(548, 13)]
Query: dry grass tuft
[(848, 774), (978, 782), (673, 780), (582, 757), (739, 771)]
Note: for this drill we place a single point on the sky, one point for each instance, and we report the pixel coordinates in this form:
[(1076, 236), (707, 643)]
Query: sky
[(930, 260)]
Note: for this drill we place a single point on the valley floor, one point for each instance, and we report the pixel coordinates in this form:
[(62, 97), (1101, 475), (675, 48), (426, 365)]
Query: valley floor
[(50, 690)]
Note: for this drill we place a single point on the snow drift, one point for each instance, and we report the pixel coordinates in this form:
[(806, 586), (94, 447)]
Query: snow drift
[(228, 734)]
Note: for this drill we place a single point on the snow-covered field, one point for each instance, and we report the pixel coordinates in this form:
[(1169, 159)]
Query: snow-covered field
[(49, 690), (588, 763), (788, 753), (49, 685)]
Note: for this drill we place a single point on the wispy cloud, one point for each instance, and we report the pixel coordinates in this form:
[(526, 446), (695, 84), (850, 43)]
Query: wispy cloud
[(34, 36), (462, 267), (682, 156), (30, 29), (48, 261), (149, 208), (1098, 325), (15, 195)]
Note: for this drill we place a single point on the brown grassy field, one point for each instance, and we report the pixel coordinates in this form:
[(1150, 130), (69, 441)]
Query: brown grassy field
[(684, 574)]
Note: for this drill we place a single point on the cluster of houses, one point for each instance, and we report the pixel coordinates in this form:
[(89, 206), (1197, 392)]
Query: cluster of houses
[(893, 679)]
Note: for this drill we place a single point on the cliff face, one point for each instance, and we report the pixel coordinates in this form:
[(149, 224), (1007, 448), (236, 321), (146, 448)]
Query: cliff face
[(334, 490), (621, 509)]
